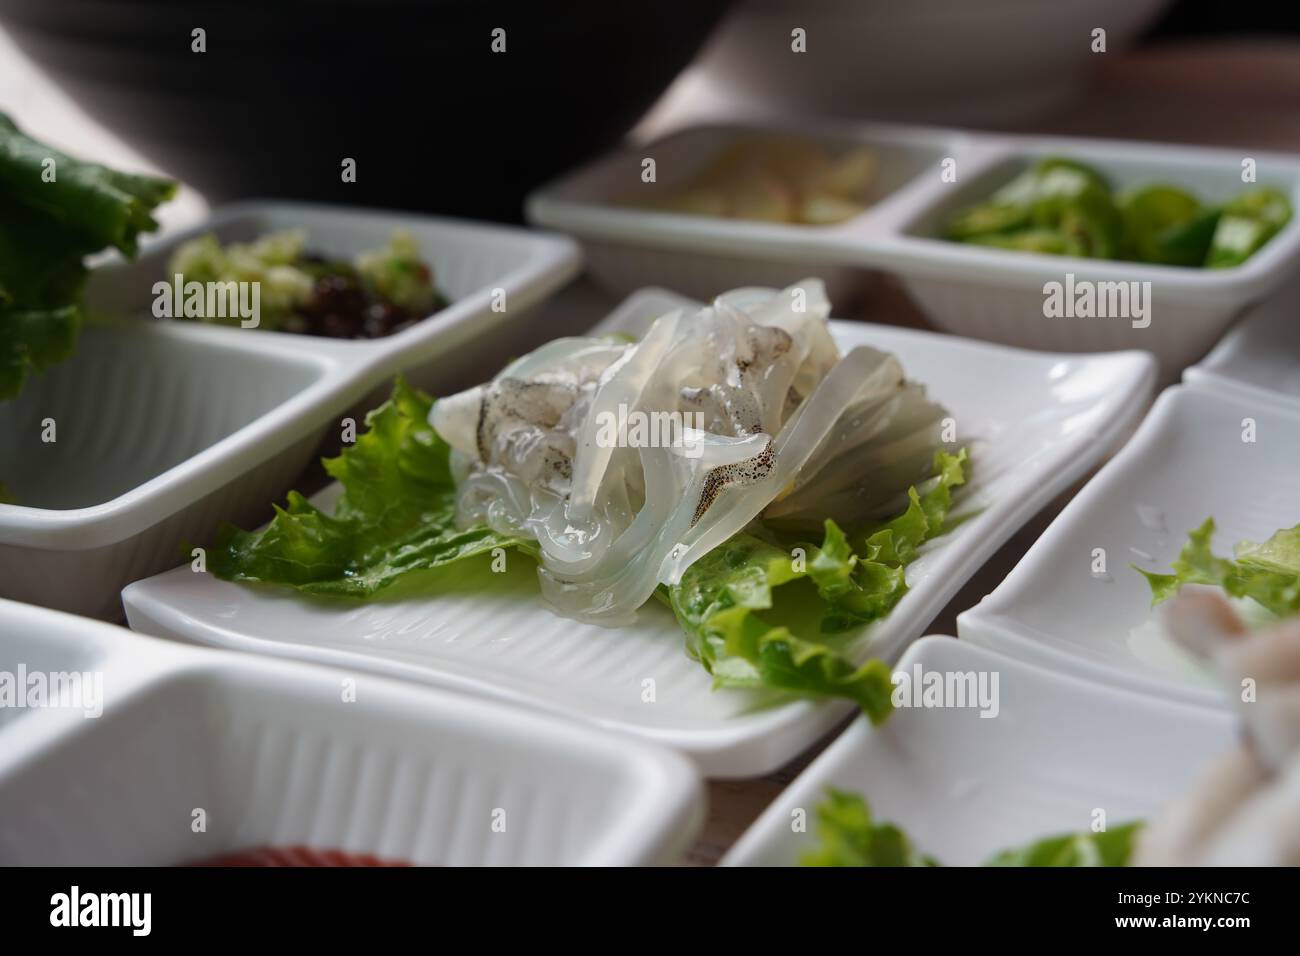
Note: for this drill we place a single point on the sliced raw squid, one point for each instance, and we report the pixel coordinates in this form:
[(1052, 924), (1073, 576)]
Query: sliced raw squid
[(626, 462), (1246, 810)]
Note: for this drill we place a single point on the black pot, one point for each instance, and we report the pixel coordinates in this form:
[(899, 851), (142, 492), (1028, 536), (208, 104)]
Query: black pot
[(410, 89)]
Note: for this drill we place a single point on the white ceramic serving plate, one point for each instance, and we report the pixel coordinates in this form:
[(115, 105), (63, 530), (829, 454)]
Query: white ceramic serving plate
[(964, 787), (1036, 423), (165, 428), (1185, 463), (273, 755), (978, 292), (1260, 357)]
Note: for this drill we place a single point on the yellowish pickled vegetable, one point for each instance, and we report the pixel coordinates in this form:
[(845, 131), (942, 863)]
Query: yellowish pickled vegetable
[(773, 179)]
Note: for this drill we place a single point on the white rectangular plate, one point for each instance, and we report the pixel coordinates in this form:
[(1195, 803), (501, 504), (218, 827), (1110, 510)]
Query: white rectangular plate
[(1035, 423), (1187, 462), (964, 787), (992, 294), (1260, 357), (279, 754)]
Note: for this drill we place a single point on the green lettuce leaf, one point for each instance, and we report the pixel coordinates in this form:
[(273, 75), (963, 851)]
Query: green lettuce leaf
[(804, 647), (396, 515), (47, 227), (41, 281), (1267, 572), (93, 205), (33, 340), (1110, 847), (850, 837)]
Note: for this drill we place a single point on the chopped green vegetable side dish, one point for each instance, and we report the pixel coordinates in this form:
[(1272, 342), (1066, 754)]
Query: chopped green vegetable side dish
[(378, 292), (1267, 572), (849, 836), (1063, 207)]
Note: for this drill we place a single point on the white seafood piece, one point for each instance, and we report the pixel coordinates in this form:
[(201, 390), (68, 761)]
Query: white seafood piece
[(1246, 810), (766, 408), (1200, 619)]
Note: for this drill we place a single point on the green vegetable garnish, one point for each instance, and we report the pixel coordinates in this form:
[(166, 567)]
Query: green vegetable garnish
[(723, 600), (1110, 847), (396, 515), (1268, 572), (850, 837), (54, 211), (398, 274), (1063, 207)]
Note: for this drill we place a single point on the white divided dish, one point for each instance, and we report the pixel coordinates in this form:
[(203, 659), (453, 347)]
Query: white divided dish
[(273, 755), (1186, 462), (164, 428), (1035, 423), (1260, 357), (626, 247), (969, 290), (964, 787)]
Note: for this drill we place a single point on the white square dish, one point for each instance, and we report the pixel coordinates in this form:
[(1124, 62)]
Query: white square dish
[(273, 754), (493, 636), (164, 428), (964, 787), (1186, 462)]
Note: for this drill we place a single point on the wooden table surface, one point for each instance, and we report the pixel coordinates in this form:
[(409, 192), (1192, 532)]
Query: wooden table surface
[(1242, 94)]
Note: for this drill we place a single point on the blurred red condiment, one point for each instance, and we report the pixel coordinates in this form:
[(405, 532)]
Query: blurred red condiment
[(294, 856)]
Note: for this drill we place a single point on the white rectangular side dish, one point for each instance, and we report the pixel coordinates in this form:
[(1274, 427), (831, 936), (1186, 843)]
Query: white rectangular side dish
[(1187, 462), (164, 428), (626, 247), (274, 754), (1035, 423), (1260, 357), (984, 293), (964, 787)]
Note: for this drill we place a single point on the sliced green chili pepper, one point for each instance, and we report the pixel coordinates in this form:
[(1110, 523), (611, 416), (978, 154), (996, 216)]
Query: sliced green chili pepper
[(1049, 241), (1059, 206), (1249, 220)]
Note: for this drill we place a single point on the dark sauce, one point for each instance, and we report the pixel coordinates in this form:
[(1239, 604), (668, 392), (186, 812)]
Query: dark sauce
[(341, 307)]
